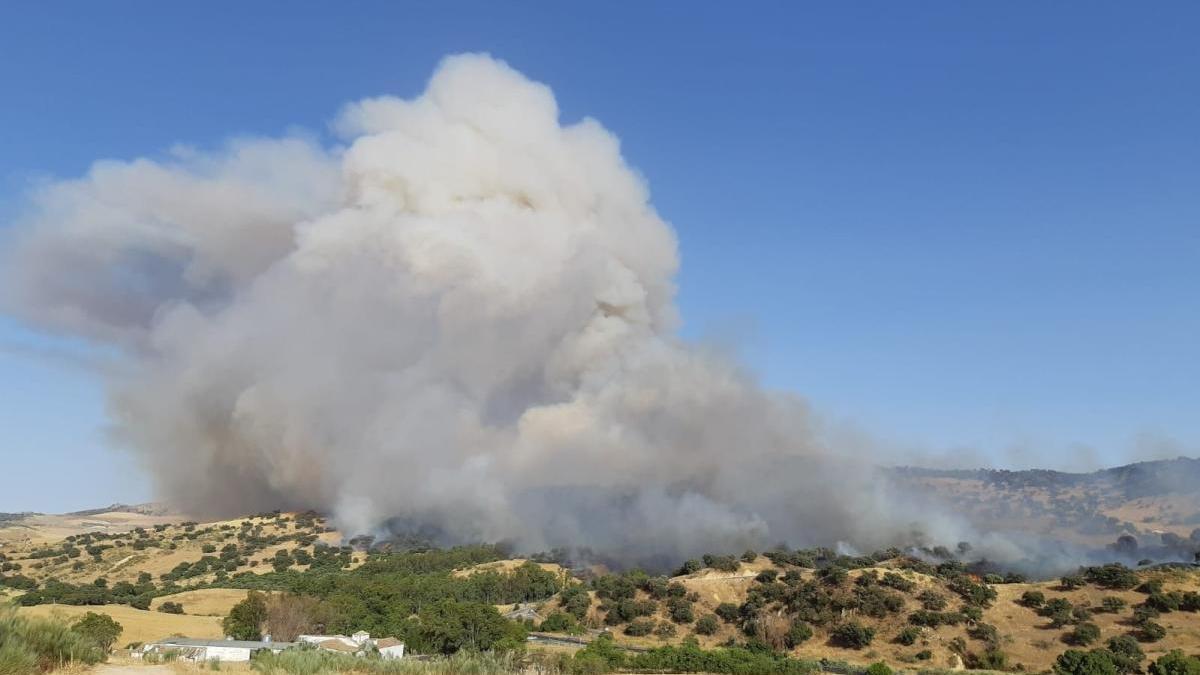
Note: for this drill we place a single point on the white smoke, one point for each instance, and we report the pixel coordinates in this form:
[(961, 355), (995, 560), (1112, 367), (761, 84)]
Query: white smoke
[(462, 319)]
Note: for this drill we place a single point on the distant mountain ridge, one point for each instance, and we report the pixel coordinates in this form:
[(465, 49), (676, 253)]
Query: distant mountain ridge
[(1140, 479)]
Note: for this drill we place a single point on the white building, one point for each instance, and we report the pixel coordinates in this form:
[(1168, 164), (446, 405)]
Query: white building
[(358, 643), (187, 649)]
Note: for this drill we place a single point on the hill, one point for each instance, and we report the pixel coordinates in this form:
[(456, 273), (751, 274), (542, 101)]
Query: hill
[(1157, 503), (917, 608)]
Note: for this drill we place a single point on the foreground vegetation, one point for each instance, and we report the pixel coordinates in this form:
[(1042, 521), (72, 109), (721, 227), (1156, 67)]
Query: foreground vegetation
[(31, 645)]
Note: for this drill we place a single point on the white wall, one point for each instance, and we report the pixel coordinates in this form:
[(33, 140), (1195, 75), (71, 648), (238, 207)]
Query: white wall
[(227, 654), (396, 652)]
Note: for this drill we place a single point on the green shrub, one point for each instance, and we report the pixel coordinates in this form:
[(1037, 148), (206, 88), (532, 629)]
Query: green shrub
[(1175, 662), (852, 635), (878, 668), (1084, 634), (1076, 662), (1033, 599), (639, 627), (100, 629), (707, 624), (799, 633), (44, 643), (908, 635)]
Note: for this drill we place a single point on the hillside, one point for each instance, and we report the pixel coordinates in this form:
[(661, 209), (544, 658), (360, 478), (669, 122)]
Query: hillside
[(763, 600), (1157, 503), (914, 609)]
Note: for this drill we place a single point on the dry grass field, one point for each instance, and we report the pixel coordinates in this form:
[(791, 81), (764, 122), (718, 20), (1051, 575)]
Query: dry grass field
[(138, 625), (203, 601)]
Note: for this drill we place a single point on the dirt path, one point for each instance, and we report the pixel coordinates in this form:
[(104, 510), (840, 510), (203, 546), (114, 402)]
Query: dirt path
[(111, 669)]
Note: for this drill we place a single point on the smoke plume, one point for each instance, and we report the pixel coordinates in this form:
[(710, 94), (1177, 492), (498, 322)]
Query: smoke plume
[(459, 320)]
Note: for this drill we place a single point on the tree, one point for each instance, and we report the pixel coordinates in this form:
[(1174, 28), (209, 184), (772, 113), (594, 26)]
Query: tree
[(245, 619), (448, 626), (1175, 662), (290, 615), (101, 629), (1076, 662), (171, 608)]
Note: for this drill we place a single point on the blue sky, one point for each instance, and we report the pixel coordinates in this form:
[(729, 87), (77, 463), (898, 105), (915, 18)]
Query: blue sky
[(967, 229)]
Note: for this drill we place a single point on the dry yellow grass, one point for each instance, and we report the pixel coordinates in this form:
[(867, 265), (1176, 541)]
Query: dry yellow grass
[(203, 601), (506, 566), (138, 625)]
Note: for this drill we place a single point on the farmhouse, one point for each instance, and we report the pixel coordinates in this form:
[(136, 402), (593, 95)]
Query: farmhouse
[(187, 649), (359, 643)]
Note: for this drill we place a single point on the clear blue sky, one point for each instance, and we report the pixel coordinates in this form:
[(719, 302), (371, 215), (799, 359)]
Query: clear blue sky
[(951, 225)]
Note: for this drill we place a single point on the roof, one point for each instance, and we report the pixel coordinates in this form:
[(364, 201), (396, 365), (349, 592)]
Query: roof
[(338, 646), (383, 643), (242, 644)]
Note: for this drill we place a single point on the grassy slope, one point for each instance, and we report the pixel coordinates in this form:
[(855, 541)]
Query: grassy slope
[(138, 625)]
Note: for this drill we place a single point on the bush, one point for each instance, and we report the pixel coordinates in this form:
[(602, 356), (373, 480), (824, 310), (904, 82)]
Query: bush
[(171, 608), (559, 622), (932, 600), (1114, 576), (728, 612), (1076, 662), (1127, 654), (992, 658), (1084, 634), (924, 655), (707, 624), (575, 600), (1151, 632), (878, 668), (908, 635), (1072, 582), (1113, 604), (29, 645), (852, 635), (680, 610), (894, 580), (799, 633), (984, 632), (639, 627), (1175, 662), (1033, 599)]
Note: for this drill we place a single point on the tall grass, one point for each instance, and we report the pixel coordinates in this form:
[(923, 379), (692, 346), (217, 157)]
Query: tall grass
[(30, 644), (313, 662)]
